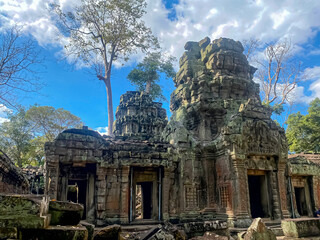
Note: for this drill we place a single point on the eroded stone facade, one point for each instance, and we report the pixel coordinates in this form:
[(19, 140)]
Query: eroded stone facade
[(304, 184), (12, 179), (220, 156)]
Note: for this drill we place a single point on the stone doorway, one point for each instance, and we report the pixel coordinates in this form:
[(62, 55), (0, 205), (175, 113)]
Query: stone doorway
[(258, 194), (145, 194), (144, 200), (77, 192), (301, 201)]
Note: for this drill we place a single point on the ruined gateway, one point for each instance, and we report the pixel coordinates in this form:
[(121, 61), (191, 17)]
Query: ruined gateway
[(220, 157)]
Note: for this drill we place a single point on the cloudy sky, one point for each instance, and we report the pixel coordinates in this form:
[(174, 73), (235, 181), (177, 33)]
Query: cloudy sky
[(174, 22)]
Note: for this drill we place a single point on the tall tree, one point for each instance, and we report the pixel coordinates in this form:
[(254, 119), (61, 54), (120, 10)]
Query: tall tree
[(303, 131), (19, 61), (101, 32), (147, 73), (15, 137), (278, 72)]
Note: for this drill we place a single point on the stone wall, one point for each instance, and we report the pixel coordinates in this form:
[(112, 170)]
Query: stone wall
[(12, 179)]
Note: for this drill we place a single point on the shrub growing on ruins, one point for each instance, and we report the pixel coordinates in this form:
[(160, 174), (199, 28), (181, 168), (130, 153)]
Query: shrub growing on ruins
[(147, 74)]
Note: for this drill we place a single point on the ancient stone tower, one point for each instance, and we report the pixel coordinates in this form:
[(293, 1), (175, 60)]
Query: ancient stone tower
[(138, 117), (232, 155)]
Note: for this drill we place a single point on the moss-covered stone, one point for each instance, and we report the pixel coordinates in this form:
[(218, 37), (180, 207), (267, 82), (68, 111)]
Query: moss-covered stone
[(65, 213), (301, 227)]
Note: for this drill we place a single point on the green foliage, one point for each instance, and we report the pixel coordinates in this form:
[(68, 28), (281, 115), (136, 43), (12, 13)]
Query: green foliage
[(147, 74), (49, 122), (23, 137), (303, 131), (15, 137)]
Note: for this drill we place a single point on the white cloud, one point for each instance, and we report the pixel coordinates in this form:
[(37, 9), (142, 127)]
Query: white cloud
[(4, 113), (268, 21), (102, 130)]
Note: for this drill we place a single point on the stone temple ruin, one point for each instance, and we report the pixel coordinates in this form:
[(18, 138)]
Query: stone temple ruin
[(220, 157), (220, 160)]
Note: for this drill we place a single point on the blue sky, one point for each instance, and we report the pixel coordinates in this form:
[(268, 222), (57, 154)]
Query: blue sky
[(174, 23)]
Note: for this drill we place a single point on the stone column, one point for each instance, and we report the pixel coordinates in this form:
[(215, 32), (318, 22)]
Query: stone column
[(316, 190), (282, 190), (90, 197), (240, 204), (124, 194), (211, 185), (166, 184), (52, 169), (100, 194)]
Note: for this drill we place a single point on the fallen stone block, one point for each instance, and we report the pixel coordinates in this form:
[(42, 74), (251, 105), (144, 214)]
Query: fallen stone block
[(89, 227), (300, 227), (259, 231), (65, 213), (108, 233)]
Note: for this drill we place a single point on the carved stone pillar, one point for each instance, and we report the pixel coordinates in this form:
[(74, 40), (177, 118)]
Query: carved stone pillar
[(168, 176), (316, 190), (52, 178), (125, 194), (209, 166), (240, 203), (241, 187), (283, 190)]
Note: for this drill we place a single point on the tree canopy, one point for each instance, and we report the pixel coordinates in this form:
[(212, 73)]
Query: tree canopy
[(303, 131), (101, 32), (147, 73), (23, 137)]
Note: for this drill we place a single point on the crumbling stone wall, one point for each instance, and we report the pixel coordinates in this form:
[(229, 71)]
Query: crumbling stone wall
[(11, 178), (108, 169), (304, 173)]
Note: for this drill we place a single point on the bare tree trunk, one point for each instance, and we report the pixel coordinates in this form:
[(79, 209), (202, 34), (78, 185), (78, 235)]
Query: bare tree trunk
[(148, 87), (109, 103)]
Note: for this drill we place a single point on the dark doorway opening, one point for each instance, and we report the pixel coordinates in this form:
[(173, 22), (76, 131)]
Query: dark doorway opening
[(81, 196), (301, 201), (258, 193), (146, 199)]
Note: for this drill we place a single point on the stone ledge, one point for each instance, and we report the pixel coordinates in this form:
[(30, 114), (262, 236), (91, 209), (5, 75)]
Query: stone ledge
[(303, 227)]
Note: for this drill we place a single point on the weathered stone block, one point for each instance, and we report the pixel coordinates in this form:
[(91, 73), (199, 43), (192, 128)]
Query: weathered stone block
[(259, 231), (301, 227), (65, 213)]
